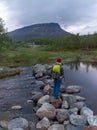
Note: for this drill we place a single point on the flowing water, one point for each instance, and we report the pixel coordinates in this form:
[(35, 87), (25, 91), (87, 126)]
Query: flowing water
[(16, 90)]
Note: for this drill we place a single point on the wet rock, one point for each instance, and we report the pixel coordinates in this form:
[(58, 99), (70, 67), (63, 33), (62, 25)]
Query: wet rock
[(56, 127), (18, 123), (73, 110), (16, 107), (71, 99), (92, 120), (65, 104), (47, 89), (50, 82), (87, 112), (32, 126), (66, 122), (79, 105), (46, 110), (79, 98), (90, 128), (18, 129), (43, 124), (4, 124), (72, 127), (62, 115), (73, 89), (78, 120), (37, 96), (44, 99)]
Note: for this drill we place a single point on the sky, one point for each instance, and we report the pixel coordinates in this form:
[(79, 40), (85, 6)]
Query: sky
[(74, 16)]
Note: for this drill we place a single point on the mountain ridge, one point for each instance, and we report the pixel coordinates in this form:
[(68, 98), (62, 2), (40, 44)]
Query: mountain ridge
[(38, 31)]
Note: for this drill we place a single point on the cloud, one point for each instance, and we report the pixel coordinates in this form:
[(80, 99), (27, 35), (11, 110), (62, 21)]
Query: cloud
[(73, 15)]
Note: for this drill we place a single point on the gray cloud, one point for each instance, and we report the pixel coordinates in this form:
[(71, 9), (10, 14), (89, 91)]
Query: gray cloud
[(65, 12)]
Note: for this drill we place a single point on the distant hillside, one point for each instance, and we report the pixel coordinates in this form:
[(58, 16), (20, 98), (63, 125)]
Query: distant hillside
[(38, 31)]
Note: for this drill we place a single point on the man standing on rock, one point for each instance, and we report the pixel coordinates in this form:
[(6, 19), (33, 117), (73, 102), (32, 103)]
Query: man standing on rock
[(57, 75)]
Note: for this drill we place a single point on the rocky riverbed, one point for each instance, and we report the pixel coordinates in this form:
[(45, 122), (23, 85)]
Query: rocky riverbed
[(26, 101)]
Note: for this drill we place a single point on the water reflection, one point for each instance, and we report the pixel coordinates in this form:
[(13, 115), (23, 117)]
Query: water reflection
[(85, 75), (77, 65)]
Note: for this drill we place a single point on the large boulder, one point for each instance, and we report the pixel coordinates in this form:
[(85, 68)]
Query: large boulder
[(43, 124), (18, 123), (46, 110), (62, 115), (73, 89), (78, 120)]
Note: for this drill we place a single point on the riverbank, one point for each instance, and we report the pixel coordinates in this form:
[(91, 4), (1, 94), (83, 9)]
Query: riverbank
[(25, 56), (72, 106)]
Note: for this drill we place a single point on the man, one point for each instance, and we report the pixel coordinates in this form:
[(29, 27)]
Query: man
[(57, 74)]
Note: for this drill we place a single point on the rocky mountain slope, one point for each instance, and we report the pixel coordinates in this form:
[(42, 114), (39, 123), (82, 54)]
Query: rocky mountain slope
[(38, 31)]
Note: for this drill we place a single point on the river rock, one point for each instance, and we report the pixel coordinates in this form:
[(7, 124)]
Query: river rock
[(65, 104), (44, 99), (73, 89), (18, 123), (92, 120), (78, 120), (37, 96), (16, 107), (56, 127), (79, 105), (46, 110), (43, 124), (71, 99), (79, 98), (72, 127), (18, 129), (73, 110), (4, 124), (87, 112), (62, 115), (47, 89), (90, 128)]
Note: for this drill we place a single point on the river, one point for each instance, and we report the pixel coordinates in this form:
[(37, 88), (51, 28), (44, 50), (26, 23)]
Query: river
[(84, 75), (16, 90)]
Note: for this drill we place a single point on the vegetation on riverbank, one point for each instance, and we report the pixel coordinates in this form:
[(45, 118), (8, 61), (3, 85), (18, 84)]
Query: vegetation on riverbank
[(71, 48), (4, 74)]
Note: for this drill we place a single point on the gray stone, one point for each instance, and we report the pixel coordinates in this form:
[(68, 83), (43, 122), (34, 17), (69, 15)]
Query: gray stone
[(92, 120), (37, 96), (86, 112), (56, 127), (43, 124), (44, 99), (18, 123), (65, 104), (78, 120), (62, 114), (73, 89), (72, 127), (46, 110), (79, 105)]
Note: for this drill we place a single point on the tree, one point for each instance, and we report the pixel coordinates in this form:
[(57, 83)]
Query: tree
[(2, 29)]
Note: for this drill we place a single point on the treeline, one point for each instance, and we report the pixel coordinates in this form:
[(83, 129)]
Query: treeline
[(69, 42)]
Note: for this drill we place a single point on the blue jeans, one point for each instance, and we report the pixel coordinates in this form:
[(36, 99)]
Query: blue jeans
[(57, 84)]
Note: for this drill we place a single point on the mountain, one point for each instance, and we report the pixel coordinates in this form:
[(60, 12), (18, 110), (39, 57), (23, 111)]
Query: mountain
[(38, 31)]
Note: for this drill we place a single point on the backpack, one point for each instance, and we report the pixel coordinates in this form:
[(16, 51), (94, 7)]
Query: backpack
[(56, 71)]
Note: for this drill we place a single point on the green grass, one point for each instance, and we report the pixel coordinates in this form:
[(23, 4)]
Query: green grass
[(30, 56), (4, 74)]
